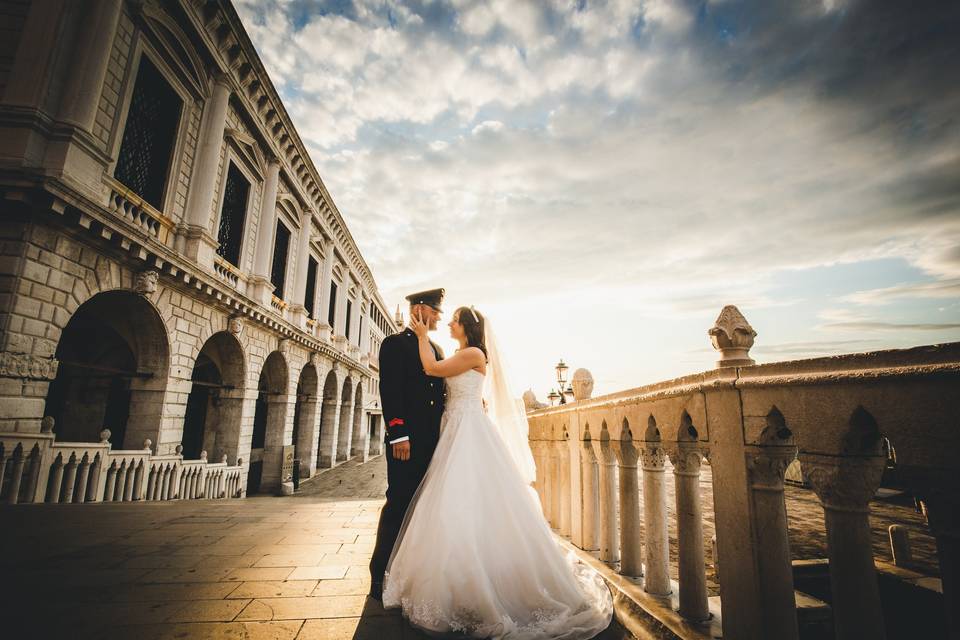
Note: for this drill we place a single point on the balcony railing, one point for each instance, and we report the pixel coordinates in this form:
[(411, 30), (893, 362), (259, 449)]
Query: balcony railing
[(36, 468), (127, 205), (749, 422)]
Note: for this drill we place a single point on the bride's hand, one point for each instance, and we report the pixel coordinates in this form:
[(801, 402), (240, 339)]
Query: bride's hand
[(419, 326)]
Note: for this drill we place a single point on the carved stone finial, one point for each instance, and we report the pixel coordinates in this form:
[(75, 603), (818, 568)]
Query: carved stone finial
[(223, 458), (530, 401), (46, 424), (146, 282), (732, 336), (582, 383), (235, 325), (178, 449), (105, 435), (203, 456), (147, 443)]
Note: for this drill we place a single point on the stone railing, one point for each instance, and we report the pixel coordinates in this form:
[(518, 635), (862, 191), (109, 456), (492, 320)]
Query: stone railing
[(226, 272), (749, 422), (36, 468), (127, 205)]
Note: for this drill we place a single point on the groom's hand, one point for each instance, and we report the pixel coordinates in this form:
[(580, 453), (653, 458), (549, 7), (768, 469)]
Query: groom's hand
[(401, 450)]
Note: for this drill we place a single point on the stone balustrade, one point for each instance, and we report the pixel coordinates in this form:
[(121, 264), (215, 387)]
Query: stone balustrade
[(135, 211), (749, 422), (36, 468)]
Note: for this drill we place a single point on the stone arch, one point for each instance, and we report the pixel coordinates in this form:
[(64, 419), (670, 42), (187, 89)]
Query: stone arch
[(214, 408), (361, 436), (625, 432), (305, 420), (114, 361), (687, 431), (344, 430), (269, 424), (327, 447)]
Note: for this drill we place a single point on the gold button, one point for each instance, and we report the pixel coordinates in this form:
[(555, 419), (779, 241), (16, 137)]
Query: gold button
[(431, 403)]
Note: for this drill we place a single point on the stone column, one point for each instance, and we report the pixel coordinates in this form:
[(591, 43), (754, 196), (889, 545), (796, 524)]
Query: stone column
[(609, 534), (943, 513), (691, 563), (365, 330), (325, 279), (200, 243), (845, 486), (355, 321), (262, 288), (631, 563), (777, 606), (554, 485), (297, 310), (96, 31), (563, 452), (591, 498), (340, 320), (657, 579)]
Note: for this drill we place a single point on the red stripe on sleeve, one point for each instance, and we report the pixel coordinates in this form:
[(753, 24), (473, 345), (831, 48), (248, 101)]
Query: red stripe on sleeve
[(395, 422)]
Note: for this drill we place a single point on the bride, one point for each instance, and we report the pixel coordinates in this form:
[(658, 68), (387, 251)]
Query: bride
[(475, 556)]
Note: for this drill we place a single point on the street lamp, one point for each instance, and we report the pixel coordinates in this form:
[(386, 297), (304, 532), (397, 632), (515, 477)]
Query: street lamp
[(552, 397), (562, 380), (569, 393)]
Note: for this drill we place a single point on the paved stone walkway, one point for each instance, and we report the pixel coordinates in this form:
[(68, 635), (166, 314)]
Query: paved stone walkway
[(258, 568)]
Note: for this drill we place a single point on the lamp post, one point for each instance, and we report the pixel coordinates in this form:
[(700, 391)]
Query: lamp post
[(562, 380), (552, 397)]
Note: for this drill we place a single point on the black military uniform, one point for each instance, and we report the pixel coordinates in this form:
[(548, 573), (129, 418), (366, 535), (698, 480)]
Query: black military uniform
[(412, 407)]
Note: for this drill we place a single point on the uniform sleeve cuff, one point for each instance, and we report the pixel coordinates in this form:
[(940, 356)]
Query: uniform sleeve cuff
[(404, 438)]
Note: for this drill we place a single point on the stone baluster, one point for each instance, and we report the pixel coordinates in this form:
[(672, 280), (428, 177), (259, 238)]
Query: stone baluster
[(591, 496), (17, 476), (110, 483), (942, 507), (631, 557), (691, 562), (152, 484), (70, 478), (766, 466), (83, 476), (554, 485), (563, 452), (845, 486), (33, 474), (130, 483), (121, 482), (93, 486), (56, 480), (657, 547), (165, 483), (609, 532)]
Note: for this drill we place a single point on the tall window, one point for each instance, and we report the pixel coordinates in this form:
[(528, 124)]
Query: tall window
[(346, 331), (278, 274), (148, 138), (332, 311), (308, 298), (233, 214)]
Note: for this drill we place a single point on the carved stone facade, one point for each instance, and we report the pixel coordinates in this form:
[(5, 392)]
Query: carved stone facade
[(201, 289)]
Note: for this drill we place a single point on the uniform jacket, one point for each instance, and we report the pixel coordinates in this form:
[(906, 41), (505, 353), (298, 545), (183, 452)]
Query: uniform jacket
[(412, 401)]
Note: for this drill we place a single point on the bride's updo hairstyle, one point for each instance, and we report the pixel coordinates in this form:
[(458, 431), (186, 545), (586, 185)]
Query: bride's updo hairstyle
[(472, 327)]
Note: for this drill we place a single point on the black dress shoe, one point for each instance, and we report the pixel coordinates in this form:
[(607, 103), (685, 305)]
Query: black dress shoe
[(376, 591)]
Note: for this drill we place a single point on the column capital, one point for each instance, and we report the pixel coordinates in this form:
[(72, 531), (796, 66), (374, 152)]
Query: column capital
[(654, 458), (589, 455), (767, 466), (686, 459), (626, 452), (844, 483), (604, 451)]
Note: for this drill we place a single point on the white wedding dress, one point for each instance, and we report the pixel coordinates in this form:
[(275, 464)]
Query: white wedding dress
[(475, 556)]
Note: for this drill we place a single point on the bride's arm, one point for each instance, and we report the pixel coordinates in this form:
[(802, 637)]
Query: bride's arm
[(469, 358)]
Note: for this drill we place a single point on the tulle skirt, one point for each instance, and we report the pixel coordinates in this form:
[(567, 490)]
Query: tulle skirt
[(475, 556)]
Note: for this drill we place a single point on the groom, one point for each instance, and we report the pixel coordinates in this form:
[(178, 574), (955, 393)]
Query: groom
[(412, 407)]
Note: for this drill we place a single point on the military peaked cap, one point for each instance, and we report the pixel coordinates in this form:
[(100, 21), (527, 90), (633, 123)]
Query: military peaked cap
[(432, 298)]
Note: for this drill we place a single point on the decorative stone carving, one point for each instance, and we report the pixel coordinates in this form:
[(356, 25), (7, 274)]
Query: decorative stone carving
[(686, 460), (653, 458), (145, 282), (768, 465), (235, 325), (105, 435), (178, 449), (582, 383), (23, 365), (315, 358), (732, 336), (530, 401), (147, 444), (844, 483), (283, 345), (46, 424), (626, 452)]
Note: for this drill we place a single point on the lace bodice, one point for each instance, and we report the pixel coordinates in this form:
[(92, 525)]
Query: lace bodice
[(464, 391)]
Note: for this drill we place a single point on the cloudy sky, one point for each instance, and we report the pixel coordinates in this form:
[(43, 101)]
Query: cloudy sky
[(602, 177)]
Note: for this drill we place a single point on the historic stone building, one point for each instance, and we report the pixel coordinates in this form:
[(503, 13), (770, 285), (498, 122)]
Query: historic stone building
[(173, 269)]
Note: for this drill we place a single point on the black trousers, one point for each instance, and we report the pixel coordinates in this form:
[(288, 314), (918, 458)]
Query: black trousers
[(403, 478)]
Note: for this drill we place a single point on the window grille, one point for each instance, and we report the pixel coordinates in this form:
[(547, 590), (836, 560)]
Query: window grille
[(278, 274), (346, 331), (149, 135), (308, 299), (233, 214), (332, 310)]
